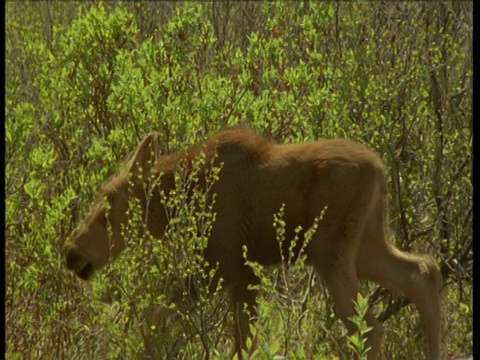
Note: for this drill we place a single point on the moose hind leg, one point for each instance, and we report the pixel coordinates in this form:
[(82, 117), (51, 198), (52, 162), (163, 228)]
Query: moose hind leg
[(414, 276), (334, 247), (343, 286)]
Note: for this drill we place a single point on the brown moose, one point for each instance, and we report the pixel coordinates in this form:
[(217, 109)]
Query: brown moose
[(344, 179)]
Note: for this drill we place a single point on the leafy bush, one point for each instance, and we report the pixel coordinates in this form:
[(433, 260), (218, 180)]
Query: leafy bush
[(82, 90)]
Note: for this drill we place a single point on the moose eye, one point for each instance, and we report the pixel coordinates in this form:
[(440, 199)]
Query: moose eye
[(103, 219)]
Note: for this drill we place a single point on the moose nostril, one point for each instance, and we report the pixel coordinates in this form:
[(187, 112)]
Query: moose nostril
[(73, 257), (86, 272), (79, 262)]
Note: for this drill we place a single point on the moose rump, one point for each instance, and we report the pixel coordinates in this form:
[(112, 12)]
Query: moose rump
[(338, 180)]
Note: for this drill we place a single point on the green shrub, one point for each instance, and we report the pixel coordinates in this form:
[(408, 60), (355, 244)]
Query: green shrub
[(83, 89)]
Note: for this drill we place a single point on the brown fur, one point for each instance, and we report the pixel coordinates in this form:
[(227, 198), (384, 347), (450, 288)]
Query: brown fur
[(257, 177)]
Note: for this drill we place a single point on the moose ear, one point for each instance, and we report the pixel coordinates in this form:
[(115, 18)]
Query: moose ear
[(145, 157)]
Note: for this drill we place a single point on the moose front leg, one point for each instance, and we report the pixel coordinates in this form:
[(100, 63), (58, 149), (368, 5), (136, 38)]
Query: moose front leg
[(243, 302)]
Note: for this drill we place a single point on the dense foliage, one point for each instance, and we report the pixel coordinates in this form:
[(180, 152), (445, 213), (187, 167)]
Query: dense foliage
[(86, 81)]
